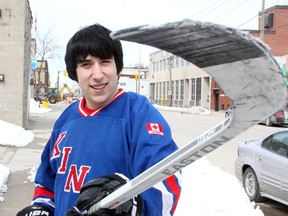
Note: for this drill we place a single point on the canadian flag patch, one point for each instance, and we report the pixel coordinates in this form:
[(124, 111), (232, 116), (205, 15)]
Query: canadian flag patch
[(154, 128)]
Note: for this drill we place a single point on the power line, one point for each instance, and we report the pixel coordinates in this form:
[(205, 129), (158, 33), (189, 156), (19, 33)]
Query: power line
[(213, 9), (228, 11), (247, 21), (275, 3), (199, 12)]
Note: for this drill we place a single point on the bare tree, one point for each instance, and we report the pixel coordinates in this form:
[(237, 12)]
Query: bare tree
[(46, 48)]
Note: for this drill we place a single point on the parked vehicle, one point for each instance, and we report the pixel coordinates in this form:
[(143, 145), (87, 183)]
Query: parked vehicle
[(228, 112), (278, 118), (262, 167)]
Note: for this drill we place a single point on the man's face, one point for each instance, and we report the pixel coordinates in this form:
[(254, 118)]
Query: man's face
[(98, 79)]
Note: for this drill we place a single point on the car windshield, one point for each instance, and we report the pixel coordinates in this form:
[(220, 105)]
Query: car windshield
[(277, 143)]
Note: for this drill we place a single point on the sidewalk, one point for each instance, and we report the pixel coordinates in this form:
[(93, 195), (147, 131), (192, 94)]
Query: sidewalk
[(21, 161)]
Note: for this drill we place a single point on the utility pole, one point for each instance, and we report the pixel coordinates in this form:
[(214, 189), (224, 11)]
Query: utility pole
[(262, 21), (58, 78)]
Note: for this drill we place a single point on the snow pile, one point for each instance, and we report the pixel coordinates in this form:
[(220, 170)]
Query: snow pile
[(13, 135), (36, 107), (193, 110), (207, 190), (5, 172)]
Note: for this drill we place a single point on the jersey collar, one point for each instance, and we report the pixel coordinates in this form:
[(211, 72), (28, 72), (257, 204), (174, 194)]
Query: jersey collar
[(88, 112)]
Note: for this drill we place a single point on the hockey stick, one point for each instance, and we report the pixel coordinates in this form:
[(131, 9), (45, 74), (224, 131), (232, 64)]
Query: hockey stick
[(240, 64), (169, 165)]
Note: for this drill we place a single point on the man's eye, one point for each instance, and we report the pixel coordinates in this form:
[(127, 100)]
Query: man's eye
[(106, 60), (84, 64)]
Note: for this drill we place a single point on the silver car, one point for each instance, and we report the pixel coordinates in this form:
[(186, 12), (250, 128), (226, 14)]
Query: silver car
[(262, 167)]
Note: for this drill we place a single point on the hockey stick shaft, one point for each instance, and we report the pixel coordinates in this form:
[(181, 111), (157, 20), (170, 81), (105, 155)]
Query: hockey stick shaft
[(197, 148)]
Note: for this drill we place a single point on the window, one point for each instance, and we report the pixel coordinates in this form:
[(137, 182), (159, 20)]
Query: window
[(177, 90), (154, 66), (164, 90), (167, 89), (164, 64), (277, 143), (156, 93), (181, 89), (198, 91), (193, 88), (160, 90)]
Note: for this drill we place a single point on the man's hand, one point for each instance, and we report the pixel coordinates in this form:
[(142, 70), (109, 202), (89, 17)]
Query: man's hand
[(95, 190)]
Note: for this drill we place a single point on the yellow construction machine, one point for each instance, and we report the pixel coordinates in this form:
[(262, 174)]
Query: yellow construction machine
[(54, 95)]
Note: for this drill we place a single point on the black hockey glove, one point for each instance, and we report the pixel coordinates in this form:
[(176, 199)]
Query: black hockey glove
[(95, 190), (35, 210)]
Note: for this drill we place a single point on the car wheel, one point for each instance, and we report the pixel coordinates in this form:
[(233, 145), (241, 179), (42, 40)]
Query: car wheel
[(251, 185), (268, 122)]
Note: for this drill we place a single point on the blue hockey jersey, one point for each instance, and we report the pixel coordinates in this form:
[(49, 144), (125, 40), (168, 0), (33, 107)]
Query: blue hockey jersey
[(126, 136)]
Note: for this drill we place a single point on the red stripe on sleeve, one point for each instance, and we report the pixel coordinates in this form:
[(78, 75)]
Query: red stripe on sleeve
[(43, 192), (175, 189)]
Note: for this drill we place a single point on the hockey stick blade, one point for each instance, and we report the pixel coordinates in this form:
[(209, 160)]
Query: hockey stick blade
[(241, 64)]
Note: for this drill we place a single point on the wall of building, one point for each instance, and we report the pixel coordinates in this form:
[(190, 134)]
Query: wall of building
[(15, 40), (190, 85)]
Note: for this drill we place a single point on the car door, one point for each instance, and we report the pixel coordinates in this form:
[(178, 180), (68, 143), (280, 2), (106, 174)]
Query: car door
[(284, 179), (270, 159)]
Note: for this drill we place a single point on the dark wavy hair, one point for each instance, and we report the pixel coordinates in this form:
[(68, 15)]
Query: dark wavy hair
[(93, 40)]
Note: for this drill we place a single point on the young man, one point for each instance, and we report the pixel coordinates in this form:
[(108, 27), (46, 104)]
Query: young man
[(108, 131)]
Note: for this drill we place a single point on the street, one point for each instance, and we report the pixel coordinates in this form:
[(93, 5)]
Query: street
[(185, 127)]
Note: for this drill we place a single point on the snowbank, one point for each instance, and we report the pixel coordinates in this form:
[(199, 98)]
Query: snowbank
[(36, 107), (5, 172), (13, 135), (193, 110)]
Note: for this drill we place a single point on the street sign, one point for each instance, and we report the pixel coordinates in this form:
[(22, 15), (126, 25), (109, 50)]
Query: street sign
[(33, 63)]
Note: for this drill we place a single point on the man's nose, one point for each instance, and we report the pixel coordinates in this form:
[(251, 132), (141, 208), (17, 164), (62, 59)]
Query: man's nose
[(97, 72)]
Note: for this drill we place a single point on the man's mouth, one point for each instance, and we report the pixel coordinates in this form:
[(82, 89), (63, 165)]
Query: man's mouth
[(98, 87)]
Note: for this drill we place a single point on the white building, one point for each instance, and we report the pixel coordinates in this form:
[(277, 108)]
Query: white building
[(178, 83)]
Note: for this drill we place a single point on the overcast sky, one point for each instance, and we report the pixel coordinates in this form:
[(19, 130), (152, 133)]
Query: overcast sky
[(65, 17)]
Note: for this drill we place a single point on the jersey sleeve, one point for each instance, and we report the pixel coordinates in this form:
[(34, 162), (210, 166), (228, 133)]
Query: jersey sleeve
[(44, 181), (152, 141)]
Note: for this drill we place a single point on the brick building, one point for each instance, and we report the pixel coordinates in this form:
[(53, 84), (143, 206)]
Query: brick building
[(275, 29), (275, 36)]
